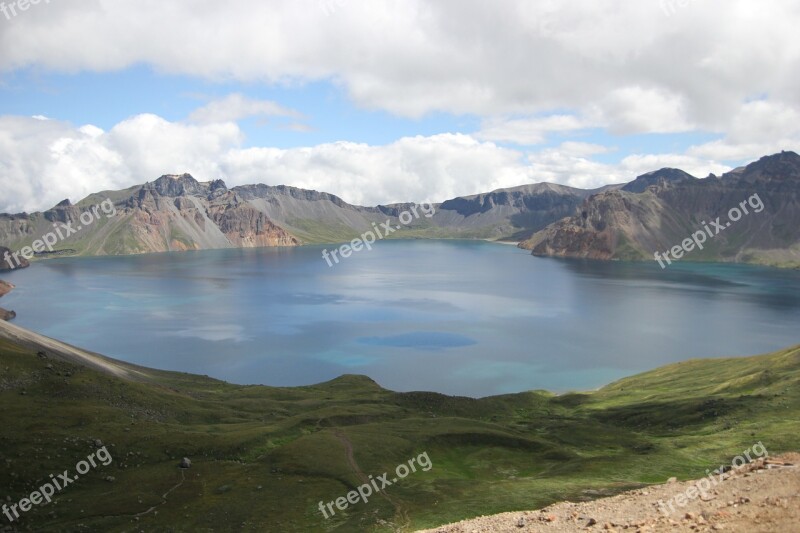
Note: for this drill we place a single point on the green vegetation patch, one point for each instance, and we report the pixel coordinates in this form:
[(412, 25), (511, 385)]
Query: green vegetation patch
[(264, 457)]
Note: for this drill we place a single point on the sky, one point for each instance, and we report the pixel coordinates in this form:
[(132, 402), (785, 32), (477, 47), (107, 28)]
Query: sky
[(381, 101)]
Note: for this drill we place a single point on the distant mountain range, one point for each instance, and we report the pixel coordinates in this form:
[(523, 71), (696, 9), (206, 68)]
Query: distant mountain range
[(177, 212), (632, 221)]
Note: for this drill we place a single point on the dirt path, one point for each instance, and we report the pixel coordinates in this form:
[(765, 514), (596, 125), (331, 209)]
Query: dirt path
[(761, 497), (163, 497), (400, 511)]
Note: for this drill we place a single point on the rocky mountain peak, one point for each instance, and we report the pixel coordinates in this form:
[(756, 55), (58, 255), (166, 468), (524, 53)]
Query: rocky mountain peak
[(218, 184), (657, 177), (177, 185), (781, 166)]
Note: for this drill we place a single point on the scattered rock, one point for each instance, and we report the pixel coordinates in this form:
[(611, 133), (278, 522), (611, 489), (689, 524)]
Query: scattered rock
[(772, 504), (185, 463)]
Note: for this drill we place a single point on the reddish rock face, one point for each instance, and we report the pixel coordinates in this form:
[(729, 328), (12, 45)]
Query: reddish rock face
[(246, 227), (173, 213)]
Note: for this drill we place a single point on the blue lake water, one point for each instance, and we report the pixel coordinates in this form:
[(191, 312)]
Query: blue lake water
[(457, 317)]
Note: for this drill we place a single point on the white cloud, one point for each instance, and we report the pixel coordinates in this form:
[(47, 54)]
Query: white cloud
[(642, 68), (571, 168), (152, 146), (236, 107), (758, 128), (583, 149), (637, 109), (409, 169), (528, 70), (43, 162), (530, 131), (636, 165), (556, 166)]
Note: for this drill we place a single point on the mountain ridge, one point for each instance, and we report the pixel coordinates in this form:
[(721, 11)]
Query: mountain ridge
[(177, 212), (658, 214)]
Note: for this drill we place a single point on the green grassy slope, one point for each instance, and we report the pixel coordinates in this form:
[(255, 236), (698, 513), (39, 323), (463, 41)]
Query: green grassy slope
[(264, 457)]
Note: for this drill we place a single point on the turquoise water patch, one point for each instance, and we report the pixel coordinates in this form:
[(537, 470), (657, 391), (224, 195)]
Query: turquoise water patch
[(420, 340)]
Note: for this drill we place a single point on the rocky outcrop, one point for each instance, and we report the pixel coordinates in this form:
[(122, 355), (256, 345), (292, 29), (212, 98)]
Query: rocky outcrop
[(670, 207), (182, 185), (7, 262), (5, 288)]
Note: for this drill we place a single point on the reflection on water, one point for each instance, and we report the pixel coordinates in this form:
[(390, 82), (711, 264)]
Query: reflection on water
[(459, 317)]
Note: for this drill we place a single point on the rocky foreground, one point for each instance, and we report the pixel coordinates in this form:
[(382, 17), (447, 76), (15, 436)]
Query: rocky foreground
[(763, 496)]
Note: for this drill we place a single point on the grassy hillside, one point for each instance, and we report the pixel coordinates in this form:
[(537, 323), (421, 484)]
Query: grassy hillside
[(263, 457)]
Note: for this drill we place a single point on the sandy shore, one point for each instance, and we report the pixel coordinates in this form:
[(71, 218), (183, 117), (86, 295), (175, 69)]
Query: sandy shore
[(60, 350), (508, 243)]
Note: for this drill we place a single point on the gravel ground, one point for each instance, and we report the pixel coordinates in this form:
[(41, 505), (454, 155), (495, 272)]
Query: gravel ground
[(763, 496)]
